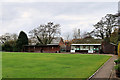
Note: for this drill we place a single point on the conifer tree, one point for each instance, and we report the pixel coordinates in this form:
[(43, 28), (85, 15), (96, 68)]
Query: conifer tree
[(22, 40)]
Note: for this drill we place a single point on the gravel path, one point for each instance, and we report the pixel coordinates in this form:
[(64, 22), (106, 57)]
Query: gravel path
[(106, 71)]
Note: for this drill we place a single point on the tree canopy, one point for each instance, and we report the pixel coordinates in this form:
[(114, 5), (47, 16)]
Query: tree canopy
[(105, 26), (46, 33), (8, 37), (21, 41)]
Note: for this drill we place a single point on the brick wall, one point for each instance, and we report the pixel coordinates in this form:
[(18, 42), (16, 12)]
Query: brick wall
[(43, 49)]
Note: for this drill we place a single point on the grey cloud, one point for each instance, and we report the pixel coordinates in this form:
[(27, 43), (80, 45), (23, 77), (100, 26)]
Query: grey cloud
[(26, 16)]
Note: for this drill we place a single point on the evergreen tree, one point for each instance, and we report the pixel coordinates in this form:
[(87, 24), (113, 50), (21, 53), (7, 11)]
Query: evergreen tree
[(22, 40)]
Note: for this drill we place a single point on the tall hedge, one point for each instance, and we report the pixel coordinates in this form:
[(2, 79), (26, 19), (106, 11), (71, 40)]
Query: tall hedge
[(22, 40)]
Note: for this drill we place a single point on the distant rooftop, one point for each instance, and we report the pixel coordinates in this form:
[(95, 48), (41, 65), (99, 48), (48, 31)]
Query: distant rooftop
[(85, 44), (87, 41)]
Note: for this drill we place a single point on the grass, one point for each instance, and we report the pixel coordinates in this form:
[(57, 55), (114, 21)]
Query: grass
[(44, 65)]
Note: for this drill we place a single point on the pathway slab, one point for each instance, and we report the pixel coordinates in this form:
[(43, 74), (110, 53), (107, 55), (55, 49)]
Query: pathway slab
[(104, 73)]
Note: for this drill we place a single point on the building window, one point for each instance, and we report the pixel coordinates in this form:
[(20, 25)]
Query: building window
[(89, 47), (84, 46), (77, 47)]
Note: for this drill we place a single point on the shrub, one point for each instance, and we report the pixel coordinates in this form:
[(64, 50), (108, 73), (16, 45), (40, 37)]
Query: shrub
[(117, 61), (7, 47), (117, 67)]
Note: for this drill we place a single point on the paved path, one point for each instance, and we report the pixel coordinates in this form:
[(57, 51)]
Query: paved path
[(106, 70)]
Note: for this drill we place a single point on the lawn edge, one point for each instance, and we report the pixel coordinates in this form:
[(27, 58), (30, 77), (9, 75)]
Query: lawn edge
[(100, 68)]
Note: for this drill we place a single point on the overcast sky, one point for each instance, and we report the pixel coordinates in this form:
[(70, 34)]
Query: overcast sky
[(26, 16)]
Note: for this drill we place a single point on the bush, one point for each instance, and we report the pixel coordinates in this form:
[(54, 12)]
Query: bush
[(117, 67), (117, 61), (7, 47)]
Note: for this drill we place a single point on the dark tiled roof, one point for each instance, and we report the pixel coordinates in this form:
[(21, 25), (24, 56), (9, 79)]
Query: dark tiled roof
[(87, 41), (39, 45)]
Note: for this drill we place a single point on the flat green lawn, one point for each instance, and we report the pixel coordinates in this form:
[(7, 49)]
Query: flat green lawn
[(50, 65)]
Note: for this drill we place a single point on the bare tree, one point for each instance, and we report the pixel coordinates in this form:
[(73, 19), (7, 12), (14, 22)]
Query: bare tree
[(109, 23), (14, 36), (79, 33), (76, 33), (105, 26), (67, 35), (8, 37), (85, 34), (99, 30), (46, 33)]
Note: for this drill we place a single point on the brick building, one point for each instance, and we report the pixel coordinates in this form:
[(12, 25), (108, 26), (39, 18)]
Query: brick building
[(109, 48), (57, 45)]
